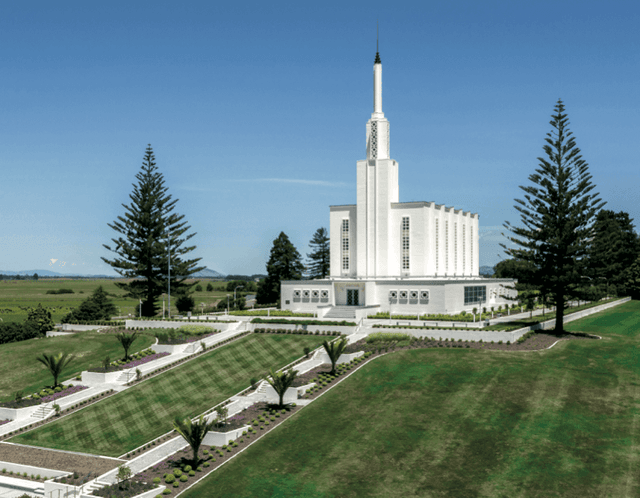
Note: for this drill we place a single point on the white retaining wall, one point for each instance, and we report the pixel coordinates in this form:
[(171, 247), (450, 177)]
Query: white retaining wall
[(21, 469), (177, 324), (219, 438), (93, 378), (82, 328), (17, 413), (310, 328)]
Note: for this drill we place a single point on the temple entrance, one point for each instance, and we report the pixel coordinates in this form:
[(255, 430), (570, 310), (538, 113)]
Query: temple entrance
[(353, 297)]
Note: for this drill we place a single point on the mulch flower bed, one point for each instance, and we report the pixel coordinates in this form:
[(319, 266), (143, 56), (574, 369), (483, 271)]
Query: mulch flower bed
[(74, 408), (45, 396), (179, 465), (126, 489), (4, 421), (77, 479), (56, 460)]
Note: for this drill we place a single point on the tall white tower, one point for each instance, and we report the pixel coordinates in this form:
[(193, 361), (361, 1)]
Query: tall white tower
[(377, 178)]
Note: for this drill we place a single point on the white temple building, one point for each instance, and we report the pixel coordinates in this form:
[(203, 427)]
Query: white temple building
[(387, 255)]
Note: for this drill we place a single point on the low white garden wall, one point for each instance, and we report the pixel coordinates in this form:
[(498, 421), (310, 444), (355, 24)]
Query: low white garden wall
[(170, 348), (271, 396), (53, 333), (21, 469), (82, 328), (92, 378), (344, 358), (219, 438), (176, 324), (310, 328), (17, 413)]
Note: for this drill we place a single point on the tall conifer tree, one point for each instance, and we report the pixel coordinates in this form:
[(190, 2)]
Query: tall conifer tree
[(557, 215), (284, 264), (147, 227), (319, 264)]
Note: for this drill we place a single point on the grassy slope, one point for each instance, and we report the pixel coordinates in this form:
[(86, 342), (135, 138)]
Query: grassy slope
[(19, 369), (17, 295), (562, 422), (128, 420)]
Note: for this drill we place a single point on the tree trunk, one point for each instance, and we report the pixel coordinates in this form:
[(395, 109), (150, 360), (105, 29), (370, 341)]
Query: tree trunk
[(560, 312)]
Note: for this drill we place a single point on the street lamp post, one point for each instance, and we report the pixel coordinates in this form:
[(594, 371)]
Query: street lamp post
[(169, 277), (227, 304), (234, 293)]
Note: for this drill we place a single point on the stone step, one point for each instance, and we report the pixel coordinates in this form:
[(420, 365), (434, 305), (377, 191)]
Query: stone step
[(42, 412)]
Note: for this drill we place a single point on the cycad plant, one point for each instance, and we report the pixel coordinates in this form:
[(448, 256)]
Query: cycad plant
[(55, 364), (193, 432), (281, 381), (126, 340), (334, 350)]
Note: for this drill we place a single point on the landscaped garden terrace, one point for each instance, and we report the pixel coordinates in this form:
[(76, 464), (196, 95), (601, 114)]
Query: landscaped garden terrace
[(123, 422), (90, 349), (463, 422)]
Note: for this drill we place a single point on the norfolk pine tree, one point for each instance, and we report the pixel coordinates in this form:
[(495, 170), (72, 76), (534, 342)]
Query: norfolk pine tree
[(557, 215), (284, 264), (318, 265), (141, 247)]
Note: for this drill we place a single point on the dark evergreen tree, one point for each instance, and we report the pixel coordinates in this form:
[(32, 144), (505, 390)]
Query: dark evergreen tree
[(557, 217), (632, 279), (318, 264), (98, 306), (614, 248), (41, 319), (148, 225), (284, 264)]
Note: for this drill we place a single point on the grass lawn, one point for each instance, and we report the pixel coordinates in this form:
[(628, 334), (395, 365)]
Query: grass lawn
[(19, 369), (563, 422), (18, 295), (129, 419)]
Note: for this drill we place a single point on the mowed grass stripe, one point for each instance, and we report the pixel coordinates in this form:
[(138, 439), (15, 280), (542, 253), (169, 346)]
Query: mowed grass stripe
[(562, 422), (129, 419)]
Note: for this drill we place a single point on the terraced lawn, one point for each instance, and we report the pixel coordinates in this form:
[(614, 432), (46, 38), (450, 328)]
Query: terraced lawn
[(564, 422), (127, 420), (19, 369)]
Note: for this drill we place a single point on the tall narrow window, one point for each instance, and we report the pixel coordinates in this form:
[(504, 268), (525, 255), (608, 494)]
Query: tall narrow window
[(471, 245), (455, 248), (437, 247), (345, 245), (464, 249), (405, 243), (446, 247)]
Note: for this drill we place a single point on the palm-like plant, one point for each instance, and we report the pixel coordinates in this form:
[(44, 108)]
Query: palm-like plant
[(193, 432), (281, 381), (126, 340), (334, 350), (55, 364)]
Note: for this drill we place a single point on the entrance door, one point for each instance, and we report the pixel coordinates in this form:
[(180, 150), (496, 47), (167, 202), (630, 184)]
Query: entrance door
[(352, 297)]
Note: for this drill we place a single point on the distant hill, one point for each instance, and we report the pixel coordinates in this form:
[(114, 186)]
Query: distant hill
[(206, 273), (487, 271)]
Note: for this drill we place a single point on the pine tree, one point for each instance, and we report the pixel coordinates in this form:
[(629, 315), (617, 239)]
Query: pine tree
[(284, 264), (148, 225), (614, 248), (557, 215), (318, 265)]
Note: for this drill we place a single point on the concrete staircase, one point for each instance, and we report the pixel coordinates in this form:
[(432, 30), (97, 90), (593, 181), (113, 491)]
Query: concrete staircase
[(92, 486), (341, 313), (43, 411), (126, 376)]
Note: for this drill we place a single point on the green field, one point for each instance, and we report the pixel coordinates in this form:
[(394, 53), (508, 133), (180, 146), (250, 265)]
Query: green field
[(558, 423), (129, 419), (18, 295), (19, 369)]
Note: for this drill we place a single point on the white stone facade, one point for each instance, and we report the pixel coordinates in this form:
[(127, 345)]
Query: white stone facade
[(381, 245)]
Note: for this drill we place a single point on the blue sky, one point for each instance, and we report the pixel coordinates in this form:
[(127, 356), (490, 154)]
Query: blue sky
[(256, 112)]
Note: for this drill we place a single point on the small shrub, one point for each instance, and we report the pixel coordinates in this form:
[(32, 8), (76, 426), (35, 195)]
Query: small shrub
[(166, 492), (185, 477), (170, 478), (177, 472), (176, 484), (191, 473), (207, 464), (156, 480)]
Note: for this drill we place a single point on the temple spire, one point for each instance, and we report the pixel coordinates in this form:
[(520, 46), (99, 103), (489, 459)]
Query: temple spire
[(377, 61)]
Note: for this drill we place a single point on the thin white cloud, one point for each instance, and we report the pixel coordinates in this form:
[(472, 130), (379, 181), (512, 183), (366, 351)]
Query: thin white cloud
[(318, 183), (294, 181)]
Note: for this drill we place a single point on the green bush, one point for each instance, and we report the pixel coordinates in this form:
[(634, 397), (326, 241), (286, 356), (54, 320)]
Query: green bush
[(185, 477), (156, 480), (188, 468), (170, 478), (387, 336), (191, 473)]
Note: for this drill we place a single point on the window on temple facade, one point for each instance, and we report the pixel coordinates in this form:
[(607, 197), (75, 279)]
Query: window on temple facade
[(405, 244), (345, 245)]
